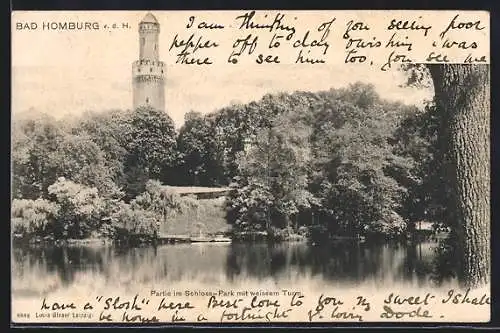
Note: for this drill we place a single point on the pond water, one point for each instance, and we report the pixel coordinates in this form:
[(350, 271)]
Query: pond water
[(45, 269)]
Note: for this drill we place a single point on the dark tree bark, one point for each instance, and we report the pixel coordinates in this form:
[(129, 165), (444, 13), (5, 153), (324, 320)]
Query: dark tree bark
[(463, 95)]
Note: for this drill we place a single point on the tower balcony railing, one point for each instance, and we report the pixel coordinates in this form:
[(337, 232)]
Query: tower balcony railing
[(149, 78), (149, 62), (149, 28)]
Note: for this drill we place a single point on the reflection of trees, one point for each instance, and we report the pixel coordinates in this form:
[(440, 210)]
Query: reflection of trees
[(345, 261), (265, 260), (445, 260), (354, 262), (342, 261), (414, 263), (65, 261), (251, 260), (121, 266)]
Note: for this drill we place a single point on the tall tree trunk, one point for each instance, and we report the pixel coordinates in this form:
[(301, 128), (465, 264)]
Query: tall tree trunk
[(463, 95)]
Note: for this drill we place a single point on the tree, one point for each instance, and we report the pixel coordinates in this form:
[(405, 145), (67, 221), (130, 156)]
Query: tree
[(278, 161), (32, 216), (151, 138), (81, 160), (463, 94), (273, 164), (157, 199), (33, 142), (107, 130), (151, 147), (417, 138), (81, 209), (45, 148), (354, 163), (197, 152), (323, 157)]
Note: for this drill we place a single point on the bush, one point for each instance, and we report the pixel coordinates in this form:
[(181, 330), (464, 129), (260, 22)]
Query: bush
[(390, 227), (81, 209), (32, 216), (129, 220)]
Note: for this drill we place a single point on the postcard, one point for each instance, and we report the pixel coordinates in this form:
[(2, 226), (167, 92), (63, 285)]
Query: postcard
[(250, 166)]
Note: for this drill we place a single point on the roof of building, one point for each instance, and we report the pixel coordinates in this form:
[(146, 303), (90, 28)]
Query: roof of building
[(196, 189), (149, 18)]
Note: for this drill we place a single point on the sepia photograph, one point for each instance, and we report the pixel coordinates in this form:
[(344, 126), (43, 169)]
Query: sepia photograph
[(138, 170)]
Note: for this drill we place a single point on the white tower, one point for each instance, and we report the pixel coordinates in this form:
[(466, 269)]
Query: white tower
[(148, 73)]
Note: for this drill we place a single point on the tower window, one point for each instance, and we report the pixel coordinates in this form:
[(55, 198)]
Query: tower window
[(143, 41), (147, 100), (162, 71), (156, 47), (151, 69)]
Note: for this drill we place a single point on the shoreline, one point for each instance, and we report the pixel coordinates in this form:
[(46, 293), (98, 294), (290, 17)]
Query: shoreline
[(243, 237)]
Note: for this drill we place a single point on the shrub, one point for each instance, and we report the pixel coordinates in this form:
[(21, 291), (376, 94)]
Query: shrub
[(32, 216), (392, 226), (81, 209), (134, 220)]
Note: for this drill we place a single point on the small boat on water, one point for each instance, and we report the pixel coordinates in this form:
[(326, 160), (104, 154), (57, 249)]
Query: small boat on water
[(221, 239), (201, 239), (206, 239)]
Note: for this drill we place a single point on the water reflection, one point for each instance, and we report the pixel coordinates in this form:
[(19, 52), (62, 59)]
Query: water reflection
[(338, 262), (41, 269)]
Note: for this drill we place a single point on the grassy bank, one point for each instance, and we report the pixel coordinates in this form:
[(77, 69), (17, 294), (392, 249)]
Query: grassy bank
[(206, 216)]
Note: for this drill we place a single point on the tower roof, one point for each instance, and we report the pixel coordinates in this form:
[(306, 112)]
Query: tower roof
[(149, 18)]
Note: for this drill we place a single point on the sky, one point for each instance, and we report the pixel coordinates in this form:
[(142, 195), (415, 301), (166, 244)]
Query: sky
[(68, 73)]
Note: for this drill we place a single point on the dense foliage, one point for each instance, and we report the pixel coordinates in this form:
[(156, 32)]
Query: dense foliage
[(337, 162)]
